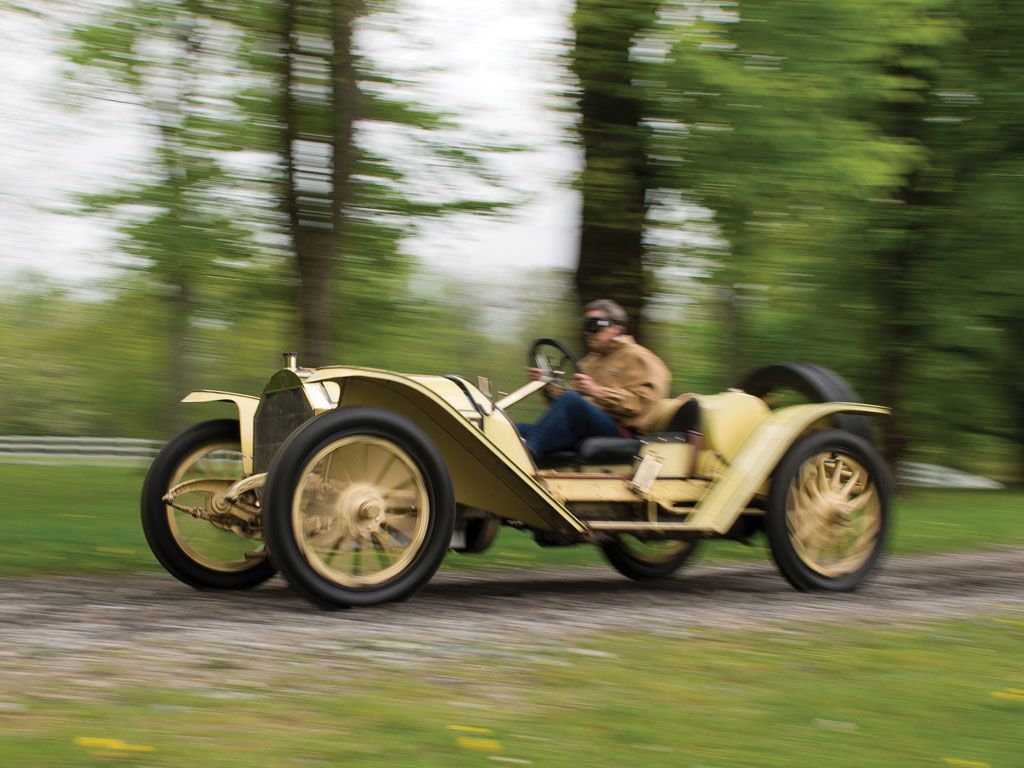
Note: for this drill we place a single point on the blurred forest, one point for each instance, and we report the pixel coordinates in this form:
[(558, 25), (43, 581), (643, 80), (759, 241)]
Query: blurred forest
[(764, 180)]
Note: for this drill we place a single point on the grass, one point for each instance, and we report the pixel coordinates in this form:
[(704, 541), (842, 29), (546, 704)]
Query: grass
[(935, 694), (938, 694), (85, 520)]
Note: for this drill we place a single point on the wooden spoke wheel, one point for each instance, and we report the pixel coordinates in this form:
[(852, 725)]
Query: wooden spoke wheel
[(360, 508), (360, 511), (828, 511), (195, 550)]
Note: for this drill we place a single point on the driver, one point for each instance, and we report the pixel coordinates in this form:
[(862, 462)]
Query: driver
[(612, 395)]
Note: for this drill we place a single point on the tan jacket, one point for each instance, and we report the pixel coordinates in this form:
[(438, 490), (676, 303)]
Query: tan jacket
[(632, 380)]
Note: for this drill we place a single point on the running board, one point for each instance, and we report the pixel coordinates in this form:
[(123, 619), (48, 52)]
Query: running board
[(625, 526), (667, 526)]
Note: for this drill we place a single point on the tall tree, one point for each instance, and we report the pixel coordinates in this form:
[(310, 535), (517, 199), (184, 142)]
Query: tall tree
[(978, 337), (907, 221), (345, 208), (808, 134), (615, 179), (321, 102), (753, 108), (177, 220)]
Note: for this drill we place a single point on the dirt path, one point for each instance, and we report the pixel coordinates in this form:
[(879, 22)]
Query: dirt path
[(152, 628)]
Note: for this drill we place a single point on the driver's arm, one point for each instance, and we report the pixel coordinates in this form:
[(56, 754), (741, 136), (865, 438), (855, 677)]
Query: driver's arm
[(552, 390), (634, 387)]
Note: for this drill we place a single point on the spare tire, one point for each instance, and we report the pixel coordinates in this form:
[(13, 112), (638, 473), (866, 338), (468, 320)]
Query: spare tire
[(813, 382)]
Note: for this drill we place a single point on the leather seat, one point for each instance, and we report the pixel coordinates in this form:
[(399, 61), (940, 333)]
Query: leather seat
[(558, 459), (608, 450), (622, 450)]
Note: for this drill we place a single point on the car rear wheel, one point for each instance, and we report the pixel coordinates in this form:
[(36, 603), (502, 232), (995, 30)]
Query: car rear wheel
[(193, 549), (360, 508), (783, 384), (645, 560), (828, 511)]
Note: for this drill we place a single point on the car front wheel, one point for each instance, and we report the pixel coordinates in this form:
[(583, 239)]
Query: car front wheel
[(359, 508)]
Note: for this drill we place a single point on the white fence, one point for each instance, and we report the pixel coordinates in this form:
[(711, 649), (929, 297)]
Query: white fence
[(934, 476), (96, 451)]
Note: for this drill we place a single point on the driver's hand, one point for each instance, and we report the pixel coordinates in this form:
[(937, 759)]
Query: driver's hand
[(535, 374), (585, 385)]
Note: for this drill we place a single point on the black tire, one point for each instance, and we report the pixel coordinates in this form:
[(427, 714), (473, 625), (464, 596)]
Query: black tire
[(628, 560), (284, 521), (162, 525), (480, 535), (833, 516), (817, 384)]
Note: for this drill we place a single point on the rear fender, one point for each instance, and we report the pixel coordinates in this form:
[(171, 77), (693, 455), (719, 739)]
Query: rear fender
[(757, 458), (247, 405)]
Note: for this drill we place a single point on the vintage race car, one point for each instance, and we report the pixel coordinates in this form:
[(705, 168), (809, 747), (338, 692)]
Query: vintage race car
[(355, 483)]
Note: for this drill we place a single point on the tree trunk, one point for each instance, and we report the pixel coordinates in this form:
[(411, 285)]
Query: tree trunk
[(893, 369), (346, 109), (314, 260), (616, 173), (316, 191), (1013, 386), (312, 237), (1019, 435), (898, 265), (178, 301), (347, 105), (735, 353), (900, 332), (177, 272)]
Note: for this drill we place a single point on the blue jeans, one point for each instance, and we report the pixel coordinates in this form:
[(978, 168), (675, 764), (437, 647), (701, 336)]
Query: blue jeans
[(569, 420)]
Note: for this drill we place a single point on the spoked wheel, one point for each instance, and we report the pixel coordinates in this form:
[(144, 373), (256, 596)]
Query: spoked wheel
[(360, 508), (195, 550), (644, 560), (828, 511)]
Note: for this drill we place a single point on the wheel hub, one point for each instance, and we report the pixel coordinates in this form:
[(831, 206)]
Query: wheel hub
[(359, 510)]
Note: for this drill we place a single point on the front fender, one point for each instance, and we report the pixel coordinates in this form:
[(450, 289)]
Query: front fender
[(488, 463), (754, 463), (247, 405)]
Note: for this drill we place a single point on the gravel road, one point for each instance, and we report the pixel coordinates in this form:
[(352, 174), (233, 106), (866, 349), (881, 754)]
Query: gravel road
[(149, 627)]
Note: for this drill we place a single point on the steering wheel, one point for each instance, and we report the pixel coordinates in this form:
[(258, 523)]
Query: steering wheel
[(553, 358)]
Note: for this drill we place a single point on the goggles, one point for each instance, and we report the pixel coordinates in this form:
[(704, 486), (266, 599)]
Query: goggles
[(595, 324)]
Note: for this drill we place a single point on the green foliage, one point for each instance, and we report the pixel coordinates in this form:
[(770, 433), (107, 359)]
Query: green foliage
[(614, 181), (855, 164), (205, 224), (844, 149)]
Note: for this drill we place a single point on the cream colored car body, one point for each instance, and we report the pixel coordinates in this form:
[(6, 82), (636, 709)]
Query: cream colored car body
[(682, 489)]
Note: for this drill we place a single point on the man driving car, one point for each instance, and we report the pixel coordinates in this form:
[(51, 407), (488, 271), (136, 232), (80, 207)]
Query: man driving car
[(613, 393)]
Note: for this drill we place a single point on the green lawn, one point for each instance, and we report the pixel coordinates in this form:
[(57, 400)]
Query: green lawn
[(85, 520), (928, 695)]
